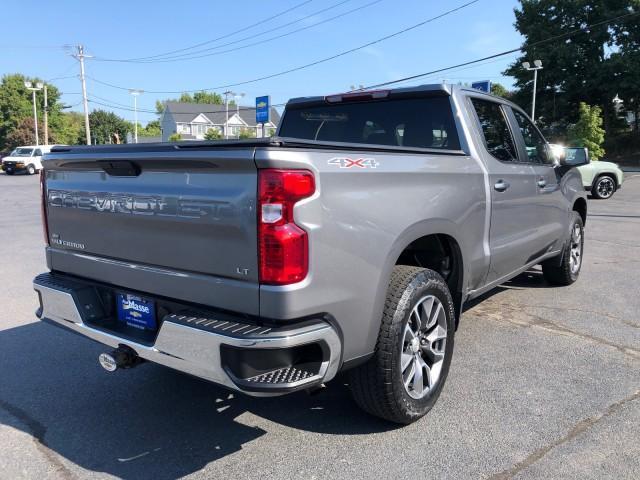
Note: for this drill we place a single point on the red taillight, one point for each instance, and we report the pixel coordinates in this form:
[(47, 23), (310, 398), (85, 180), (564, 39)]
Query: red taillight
[(284, 246), (43, 206)]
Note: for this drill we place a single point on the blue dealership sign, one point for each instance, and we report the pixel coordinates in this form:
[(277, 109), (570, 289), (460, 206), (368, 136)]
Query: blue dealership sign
[(483, 86), (263, 108)]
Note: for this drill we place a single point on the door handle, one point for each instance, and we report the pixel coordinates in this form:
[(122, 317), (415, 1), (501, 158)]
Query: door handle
[(542, 182), (501, 185)]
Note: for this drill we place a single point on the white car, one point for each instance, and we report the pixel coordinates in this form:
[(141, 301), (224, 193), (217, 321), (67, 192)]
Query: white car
[(25, 159)]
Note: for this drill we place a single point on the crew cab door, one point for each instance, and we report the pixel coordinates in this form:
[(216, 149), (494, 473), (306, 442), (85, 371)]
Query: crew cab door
[(551, 204), (513, 190)]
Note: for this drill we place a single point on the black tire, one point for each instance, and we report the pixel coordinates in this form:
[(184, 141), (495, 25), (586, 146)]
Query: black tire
[(377, 386), (564, 274), (604, 187), (31, 170)]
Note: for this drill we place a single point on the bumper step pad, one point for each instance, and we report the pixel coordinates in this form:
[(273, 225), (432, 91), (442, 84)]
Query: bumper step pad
[(282, 376)]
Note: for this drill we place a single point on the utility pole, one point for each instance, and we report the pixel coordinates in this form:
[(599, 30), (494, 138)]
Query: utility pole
[(135, 94), (34, 87), (80, 56), (537, 66), (46, 116), (226, 102)]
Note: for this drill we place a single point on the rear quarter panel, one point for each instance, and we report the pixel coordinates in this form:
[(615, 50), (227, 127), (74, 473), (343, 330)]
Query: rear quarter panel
[(359, 221)]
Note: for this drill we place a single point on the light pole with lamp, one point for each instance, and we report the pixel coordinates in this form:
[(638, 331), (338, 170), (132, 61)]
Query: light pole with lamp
[(226, 103), (34, 87), (537, 65), (135, 94), (238, 96)]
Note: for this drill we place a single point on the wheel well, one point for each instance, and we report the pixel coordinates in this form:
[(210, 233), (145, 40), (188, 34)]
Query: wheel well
[(580, 206), (611, 175), (440, 253)]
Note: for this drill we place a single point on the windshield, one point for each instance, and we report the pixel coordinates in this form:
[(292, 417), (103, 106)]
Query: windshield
[(22, 152), (408, 122)]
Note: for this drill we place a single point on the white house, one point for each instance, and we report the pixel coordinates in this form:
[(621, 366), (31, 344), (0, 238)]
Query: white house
[(193, 120)]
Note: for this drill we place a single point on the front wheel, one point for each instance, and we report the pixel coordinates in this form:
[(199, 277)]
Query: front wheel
[(569, 269), (604, 187), (407, 372), (31, 170)]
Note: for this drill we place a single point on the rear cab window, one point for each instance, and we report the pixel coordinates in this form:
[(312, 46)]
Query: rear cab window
[(416, 122)]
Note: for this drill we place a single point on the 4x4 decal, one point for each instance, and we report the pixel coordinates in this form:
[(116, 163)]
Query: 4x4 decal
[(346, 162)]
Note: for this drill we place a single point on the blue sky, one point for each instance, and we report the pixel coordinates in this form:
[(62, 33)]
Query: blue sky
[(119, 29)]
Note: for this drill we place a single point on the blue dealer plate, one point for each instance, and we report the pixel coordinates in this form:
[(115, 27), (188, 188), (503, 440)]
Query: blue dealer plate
[(136, 311)]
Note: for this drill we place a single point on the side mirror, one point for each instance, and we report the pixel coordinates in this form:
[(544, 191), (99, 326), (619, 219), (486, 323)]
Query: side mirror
[(575, 157)]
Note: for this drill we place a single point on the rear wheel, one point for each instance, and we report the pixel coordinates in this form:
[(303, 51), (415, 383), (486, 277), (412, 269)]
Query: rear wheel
[(407, 372), (604, 187), (569, 269)]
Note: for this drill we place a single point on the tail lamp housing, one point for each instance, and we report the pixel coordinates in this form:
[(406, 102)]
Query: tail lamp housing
[(43, 206), (283, 245)]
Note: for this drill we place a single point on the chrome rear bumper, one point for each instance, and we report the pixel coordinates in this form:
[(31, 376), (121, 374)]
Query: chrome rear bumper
[(193, 344)]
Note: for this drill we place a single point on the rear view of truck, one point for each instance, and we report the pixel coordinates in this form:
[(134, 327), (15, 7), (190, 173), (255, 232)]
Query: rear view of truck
[(268, 266), (160, 253)]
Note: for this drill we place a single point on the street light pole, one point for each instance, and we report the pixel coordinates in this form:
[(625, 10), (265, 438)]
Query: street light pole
[(34, 87), (537, 66), (135, 94), (226, 102), (45, 113)]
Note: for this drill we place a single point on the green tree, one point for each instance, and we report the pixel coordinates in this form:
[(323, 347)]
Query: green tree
[(576, 69), (152, 129), (22, 134), (500, 90), (213, 134), (246, 133), (107, 127), (69, 129), (588, 131), (175, 137), (16, 104), (198, 97)]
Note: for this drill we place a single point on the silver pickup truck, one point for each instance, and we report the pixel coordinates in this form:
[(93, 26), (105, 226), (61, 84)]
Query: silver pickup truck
[(348, 242)]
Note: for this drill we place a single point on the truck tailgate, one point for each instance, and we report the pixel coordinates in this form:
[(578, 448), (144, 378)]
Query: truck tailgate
[(187, 213)]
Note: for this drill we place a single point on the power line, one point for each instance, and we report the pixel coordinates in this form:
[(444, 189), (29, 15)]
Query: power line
[(585, 29), (317, 62), (116, 107), (244, 29), (196, 54)]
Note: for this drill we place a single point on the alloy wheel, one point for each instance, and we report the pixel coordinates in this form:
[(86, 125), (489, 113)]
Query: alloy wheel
[(423, 347), (575, 260), (605, 187)]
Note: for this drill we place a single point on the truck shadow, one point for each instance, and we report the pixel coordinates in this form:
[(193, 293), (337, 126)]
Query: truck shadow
[(150, 422)]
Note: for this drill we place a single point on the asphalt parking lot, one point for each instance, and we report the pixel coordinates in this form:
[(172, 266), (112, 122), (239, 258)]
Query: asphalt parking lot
[(545, 383)]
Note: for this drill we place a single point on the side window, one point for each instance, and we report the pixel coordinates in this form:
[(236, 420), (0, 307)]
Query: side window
[(537, 148), (497, 136), (37, 153)]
